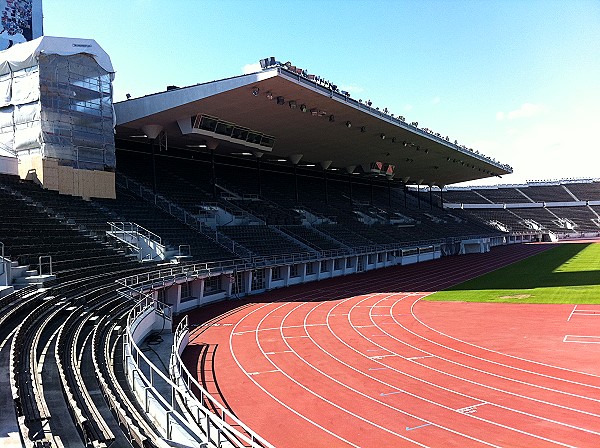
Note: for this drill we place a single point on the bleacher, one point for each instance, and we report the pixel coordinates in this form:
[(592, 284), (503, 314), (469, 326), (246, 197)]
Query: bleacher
[(585, 191), (570, 217), (502, 195), (128, 207), (28, 233), (548, 193), (263, 240), (37, 222)]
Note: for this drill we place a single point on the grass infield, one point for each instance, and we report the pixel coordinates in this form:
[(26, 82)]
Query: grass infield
[(568, 273)]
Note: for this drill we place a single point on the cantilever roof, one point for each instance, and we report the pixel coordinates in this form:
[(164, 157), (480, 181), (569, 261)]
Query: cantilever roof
[(320, 134)]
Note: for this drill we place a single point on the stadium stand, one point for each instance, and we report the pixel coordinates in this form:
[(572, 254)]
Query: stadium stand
[(563, 208), (81, 335)]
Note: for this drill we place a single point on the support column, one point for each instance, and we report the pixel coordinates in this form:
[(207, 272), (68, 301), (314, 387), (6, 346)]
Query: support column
[(213, 172), (258, 155), (350, 170), (389, 188), (152, 131), (325, 165), (154, 165), (442, 197), (430, 197), (295, 158)]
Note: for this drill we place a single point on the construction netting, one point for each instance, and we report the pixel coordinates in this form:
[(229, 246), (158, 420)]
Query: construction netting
[(59, 106)]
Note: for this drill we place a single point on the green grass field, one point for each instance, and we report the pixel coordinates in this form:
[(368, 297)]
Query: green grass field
[(568, 273)]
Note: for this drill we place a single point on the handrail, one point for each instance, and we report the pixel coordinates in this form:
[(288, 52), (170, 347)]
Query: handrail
[(182, 215), (8, 149), (2, 261), (189, 250), (187, 378), (134, 228), (43, 257), (132, 351)]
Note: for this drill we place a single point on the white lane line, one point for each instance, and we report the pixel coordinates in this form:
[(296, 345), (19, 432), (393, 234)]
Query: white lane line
[(582, 339), (302, 416), (470, 409), (264, 371), (383, 356), (351, 285), (571, 315), (565, 369), (275, 328), (462, 394), (391, 393), (469, 355), (313, 392), (492, 388)]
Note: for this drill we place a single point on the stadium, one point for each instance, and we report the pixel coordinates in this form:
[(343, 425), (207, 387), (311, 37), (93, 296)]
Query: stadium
[(265, 261)]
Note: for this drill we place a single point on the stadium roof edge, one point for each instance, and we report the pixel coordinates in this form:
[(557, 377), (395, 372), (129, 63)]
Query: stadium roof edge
[(136, 108), (337, 130)]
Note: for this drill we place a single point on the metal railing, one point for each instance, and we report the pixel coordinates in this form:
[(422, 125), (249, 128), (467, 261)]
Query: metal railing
[(121, 230), (182, 215), (221, 419), (2, 264), (217, 428), (41, 264)]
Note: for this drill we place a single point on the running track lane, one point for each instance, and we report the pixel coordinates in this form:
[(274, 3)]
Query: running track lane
[(355, 362)]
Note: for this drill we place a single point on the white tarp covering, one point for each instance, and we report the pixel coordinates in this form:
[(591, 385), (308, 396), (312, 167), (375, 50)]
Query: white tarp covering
[(25, 54), (56, 99)]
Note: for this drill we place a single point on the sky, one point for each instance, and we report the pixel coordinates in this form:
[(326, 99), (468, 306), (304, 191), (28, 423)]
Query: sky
[(518, 80)]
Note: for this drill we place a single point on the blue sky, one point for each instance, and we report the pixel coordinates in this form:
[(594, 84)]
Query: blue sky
[(517, 80)]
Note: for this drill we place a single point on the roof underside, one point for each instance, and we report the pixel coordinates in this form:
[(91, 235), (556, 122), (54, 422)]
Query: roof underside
[(319, 138)]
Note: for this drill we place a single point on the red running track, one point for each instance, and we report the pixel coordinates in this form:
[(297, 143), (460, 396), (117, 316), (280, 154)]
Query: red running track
[(362, 361)]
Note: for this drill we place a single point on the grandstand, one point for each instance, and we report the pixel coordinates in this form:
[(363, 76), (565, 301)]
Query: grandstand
[(555, 209), (213, 193)]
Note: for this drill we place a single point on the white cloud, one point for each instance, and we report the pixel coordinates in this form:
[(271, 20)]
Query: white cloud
[(251, 68), (408, 107), (526, 110), (436, 100)]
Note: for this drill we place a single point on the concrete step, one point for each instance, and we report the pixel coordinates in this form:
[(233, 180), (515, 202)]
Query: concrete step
[(34, 279), (6, 290), (19, 271)]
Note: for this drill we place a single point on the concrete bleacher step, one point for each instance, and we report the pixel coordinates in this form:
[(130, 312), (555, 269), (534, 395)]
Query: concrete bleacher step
[(18, 271), (6, 290), (34, 279)]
